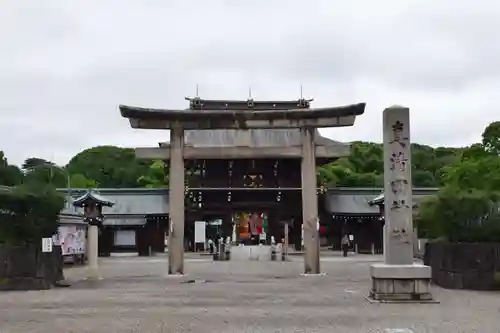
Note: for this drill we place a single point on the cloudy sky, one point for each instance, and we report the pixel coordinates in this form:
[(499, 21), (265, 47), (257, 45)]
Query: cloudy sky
[(66, 65)]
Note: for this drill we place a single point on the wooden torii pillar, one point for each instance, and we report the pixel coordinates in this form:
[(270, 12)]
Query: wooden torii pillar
[(176, 204)]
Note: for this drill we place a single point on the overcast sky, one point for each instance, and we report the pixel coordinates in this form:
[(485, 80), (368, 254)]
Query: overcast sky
[(66, 65)]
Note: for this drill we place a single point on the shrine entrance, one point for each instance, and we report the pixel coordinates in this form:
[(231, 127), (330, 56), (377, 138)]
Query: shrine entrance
[(247, 215)]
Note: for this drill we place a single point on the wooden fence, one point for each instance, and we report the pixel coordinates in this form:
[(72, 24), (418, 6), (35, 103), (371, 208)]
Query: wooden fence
[(28, 268), (474, 266)]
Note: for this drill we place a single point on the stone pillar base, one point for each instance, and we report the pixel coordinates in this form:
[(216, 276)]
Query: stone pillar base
[(400, 283)]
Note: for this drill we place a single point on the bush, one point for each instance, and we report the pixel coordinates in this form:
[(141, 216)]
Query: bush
[(29, 213), (460, 216)]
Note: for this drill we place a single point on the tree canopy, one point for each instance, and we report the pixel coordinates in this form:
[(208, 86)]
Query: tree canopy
[(115, 167), (109, 166), (467, 206), (10, 175), (364, 167), (28, 213)]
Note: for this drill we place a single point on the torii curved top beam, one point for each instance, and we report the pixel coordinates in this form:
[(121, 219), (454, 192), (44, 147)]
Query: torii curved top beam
[(148, 118)]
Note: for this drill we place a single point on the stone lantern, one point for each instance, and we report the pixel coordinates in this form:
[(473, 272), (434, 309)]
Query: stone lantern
[(92, 204)]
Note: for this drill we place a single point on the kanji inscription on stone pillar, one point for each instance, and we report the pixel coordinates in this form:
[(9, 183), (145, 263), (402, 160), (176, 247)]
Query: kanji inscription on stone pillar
[(398, 188)]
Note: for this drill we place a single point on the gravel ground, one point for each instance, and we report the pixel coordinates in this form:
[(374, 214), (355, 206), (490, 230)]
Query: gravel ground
[(136, 295)]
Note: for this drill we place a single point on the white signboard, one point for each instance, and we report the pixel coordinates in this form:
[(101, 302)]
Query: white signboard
[(47, 244), (124, 238), (199, 231)]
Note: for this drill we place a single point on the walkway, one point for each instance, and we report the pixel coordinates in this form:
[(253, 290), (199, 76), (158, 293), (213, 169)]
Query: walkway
[(137, 296)]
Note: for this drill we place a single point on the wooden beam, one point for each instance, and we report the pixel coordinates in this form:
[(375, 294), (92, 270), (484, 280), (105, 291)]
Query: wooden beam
[(190, 153), (321, 122)]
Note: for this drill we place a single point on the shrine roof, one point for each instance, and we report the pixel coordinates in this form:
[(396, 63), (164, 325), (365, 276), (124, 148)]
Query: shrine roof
[(417, 195), (90, 195)]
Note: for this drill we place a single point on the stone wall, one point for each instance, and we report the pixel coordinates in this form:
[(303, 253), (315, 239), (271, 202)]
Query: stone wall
[(28, 268), (474, 266)]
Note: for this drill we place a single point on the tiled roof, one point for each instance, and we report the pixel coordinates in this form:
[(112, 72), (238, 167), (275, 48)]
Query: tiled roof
[(94, 196)]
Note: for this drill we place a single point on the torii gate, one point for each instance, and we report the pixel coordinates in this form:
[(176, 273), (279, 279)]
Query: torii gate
[(307, 120)]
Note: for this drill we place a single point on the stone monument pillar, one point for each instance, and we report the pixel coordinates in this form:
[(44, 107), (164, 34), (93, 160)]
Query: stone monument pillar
[(398, 278), (176, 206), (309, 202)]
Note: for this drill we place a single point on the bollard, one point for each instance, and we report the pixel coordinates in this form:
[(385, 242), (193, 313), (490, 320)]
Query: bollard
[(221, 251), (273, 252), (227, 252), (284, 252), (228, 249)]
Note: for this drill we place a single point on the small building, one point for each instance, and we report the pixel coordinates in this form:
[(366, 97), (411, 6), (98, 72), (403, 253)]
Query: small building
[(418, 194), (137, 222)]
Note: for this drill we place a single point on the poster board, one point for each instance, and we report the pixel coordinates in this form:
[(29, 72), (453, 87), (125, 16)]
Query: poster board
[(72, 239), (199, 231)]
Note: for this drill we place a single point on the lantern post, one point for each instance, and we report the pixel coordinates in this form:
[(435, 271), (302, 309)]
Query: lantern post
[(92, 204)]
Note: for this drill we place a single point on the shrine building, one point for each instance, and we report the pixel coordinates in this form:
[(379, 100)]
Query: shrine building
[(138, 221)]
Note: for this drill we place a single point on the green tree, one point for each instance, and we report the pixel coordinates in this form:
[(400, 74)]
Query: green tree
[(28, 213), (460, 216), (109, 166), (80, 181), (33, 162), (423, 178), (156, 177), (481, 174), (364, 167), (10, 175), (49, 174), (467, 207), (491, 138), (474, 152)]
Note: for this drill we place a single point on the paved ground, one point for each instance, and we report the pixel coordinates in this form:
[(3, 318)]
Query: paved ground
[(137, 296)]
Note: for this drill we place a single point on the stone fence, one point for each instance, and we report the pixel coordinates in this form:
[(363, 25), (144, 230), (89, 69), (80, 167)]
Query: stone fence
[(474, 266), (28, 268)]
